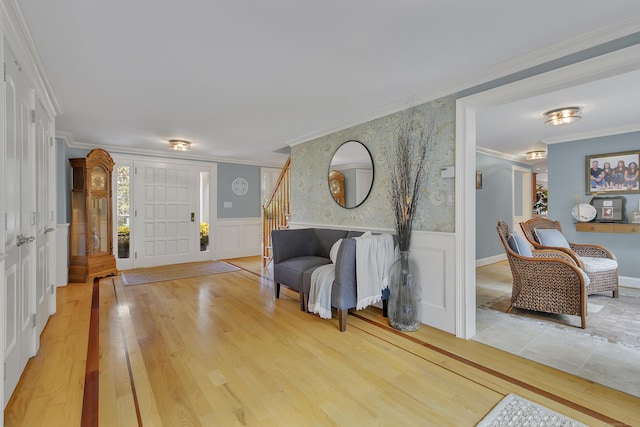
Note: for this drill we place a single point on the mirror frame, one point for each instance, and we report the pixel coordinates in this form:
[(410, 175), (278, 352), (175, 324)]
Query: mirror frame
[(332, 168)]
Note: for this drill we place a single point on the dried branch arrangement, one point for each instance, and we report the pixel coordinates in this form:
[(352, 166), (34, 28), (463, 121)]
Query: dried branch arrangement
[(407, 168)]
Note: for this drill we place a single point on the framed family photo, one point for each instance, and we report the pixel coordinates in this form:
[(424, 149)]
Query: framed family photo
[(613, 172)]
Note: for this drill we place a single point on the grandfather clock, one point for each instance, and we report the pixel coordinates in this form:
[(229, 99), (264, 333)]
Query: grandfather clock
[(336, 186), (90, 232)]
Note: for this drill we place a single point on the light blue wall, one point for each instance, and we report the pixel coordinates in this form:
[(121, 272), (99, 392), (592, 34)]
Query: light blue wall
[(246, 206), (567, 182), (63, 178), (493, 202)]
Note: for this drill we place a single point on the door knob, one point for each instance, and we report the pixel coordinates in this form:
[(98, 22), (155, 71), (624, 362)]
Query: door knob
[(21, 240)]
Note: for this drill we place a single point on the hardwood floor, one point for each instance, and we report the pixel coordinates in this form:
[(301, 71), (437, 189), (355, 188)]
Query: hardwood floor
[(219, 350)]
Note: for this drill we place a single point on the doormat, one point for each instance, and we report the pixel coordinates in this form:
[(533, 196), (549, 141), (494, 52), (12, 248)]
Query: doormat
[(516, 411), (615, 319), (176, 271)]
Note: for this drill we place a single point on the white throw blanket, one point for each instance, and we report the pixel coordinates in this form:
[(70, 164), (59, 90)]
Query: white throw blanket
[(374, 256), (320, 290)]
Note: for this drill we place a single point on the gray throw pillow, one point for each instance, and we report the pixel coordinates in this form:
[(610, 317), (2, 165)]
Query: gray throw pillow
[(519, 245), (551, 237)]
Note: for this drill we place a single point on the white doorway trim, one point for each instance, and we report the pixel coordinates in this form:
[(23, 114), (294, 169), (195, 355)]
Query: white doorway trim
[(618, 62), (525, 197)]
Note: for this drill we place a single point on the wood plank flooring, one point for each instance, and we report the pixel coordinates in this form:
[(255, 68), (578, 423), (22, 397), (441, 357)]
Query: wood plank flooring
[(219, 350)]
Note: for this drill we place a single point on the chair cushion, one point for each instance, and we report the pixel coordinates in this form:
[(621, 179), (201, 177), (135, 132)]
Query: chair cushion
[(289, 272), (597, 265), (585, 276), (551, 237), (519, 245)]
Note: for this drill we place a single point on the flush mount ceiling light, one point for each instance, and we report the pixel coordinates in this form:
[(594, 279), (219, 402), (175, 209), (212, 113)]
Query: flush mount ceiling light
[(536, 155), (179, 145), (562, 116)]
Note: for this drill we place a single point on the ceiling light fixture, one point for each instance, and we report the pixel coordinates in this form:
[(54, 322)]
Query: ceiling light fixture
[(562, 116), (179, 145), (536, 155)]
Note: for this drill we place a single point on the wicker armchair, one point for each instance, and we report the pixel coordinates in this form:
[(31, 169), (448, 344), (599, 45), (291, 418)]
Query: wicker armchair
[(602, 279), (548, 281)]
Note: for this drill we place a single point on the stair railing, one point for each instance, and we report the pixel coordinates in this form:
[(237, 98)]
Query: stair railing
[(276, 211)]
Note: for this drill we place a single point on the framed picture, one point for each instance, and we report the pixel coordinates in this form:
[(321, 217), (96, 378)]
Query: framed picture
[(609, 209), (478, 179), (635, 217), (613, 172)]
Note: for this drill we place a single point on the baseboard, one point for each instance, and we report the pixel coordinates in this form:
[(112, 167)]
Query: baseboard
[(629, 282), (490, 260)]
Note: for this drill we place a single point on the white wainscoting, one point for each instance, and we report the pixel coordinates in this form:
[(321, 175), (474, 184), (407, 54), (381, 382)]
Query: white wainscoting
[(62, 254), (434, 254), (238, 237)]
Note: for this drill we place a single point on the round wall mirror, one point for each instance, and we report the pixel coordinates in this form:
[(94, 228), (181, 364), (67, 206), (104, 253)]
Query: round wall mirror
[(350, 174)]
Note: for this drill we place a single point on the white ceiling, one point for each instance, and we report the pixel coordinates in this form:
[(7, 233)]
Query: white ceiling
[(609, 106), (242, 79)]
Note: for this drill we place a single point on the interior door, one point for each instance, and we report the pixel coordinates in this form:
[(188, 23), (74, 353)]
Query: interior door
[(20, 220), (522, 196), (167, 228), (44, 219)]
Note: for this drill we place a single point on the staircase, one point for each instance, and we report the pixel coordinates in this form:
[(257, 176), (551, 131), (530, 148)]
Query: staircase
[(276, 211)]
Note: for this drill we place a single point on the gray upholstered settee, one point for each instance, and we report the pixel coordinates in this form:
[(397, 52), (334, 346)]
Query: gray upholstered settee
[(297, 252)]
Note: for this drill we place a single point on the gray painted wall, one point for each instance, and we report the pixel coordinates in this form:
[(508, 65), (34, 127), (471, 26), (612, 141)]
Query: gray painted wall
[(567, 181), (246, 206), (493, 202)]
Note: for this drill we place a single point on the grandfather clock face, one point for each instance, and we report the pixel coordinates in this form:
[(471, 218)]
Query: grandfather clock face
[(98, 179), (335, 186)]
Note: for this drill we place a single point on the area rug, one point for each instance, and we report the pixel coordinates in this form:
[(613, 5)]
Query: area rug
[(516, 411), (176, 271), (615, 319)]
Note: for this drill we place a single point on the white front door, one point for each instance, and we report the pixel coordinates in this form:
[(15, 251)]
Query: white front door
[(166, 214), (20, 220)]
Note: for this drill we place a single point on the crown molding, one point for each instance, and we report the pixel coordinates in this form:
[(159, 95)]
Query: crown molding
[(19, 39), (595, 134), (185, 155), (616, 30), (501, 155)]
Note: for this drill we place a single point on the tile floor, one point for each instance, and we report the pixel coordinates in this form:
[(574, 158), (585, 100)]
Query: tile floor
[(593, 358)]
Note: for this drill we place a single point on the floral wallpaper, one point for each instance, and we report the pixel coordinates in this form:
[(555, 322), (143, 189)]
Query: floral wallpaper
[(311, 201)]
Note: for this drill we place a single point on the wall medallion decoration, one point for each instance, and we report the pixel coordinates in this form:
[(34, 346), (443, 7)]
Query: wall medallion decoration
[(240, 186)]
